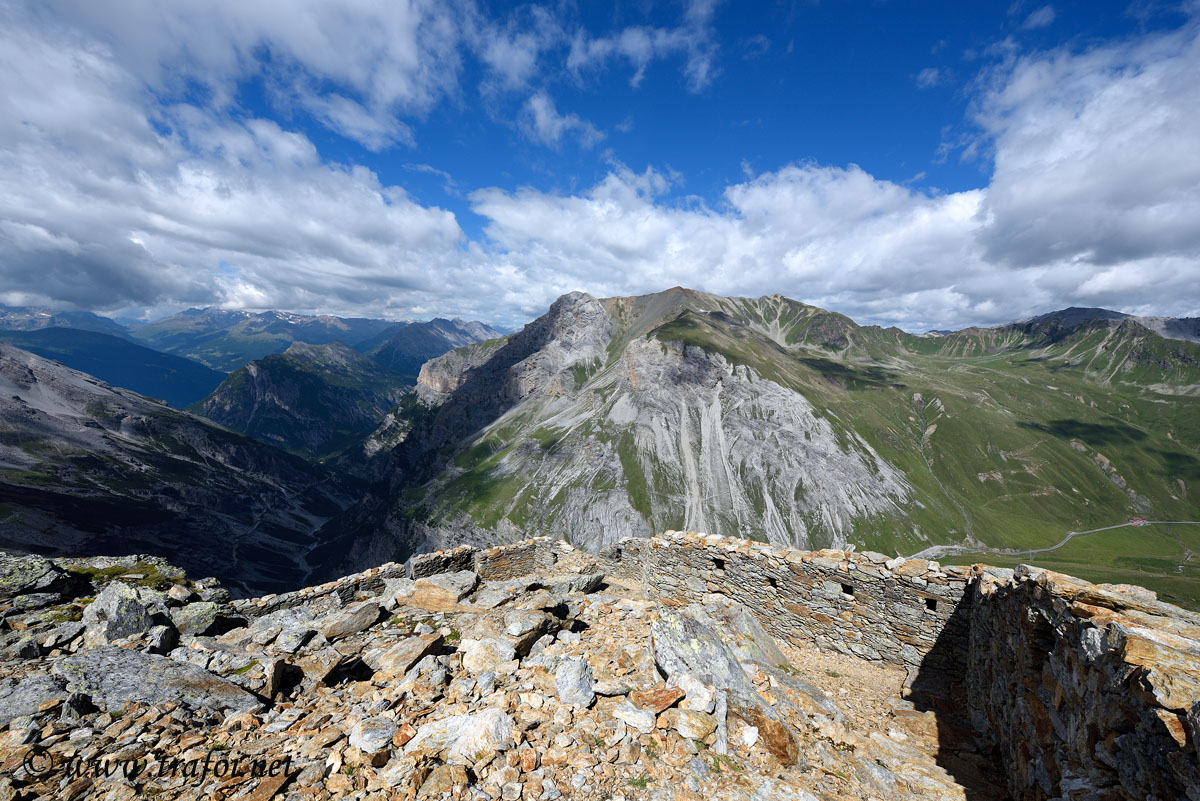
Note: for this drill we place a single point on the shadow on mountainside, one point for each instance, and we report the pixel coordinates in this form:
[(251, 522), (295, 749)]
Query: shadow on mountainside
[(1094, 434), (939, 687)]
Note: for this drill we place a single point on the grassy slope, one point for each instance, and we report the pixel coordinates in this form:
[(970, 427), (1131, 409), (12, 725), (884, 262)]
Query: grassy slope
[(1017, 436)]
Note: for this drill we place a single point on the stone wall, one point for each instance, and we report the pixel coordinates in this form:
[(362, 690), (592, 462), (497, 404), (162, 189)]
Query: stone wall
[(534, 556), (1087, 691), (862, 604)]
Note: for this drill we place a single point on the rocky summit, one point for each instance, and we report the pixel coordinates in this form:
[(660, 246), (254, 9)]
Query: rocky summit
[(535, 671)]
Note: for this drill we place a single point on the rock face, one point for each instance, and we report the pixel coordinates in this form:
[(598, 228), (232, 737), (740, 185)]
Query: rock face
[(113, 677), (699, 682)]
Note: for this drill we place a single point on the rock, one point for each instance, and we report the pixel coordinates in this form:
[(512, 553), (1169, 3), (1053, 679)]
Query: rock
[(114, 676), (692, 725), (117, 612), (573, 682), (1193, 719), (373, 734), (319, 665), (443, 591), (682, 644), (196, 619), (493, 595), (62, 634), (161, 639), (748, 736), (566, 584), (635, 717), (180, 593), (483, 655), (24, 648), (400, 658), (699, 696), (18, 698), (466, 739), (774, 790), (293, 639), (656, 699), (351, 621), (445, 780), (22, 575)]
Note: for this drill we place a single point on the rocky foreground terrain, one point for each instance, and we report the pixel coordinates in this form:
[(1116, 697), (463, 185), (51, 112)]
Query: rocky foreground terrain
[(122, 679)]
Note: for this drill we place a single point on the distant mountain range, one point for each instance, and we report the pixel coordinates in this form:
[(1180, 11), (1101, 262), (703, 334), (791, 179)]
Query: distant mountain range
[(764, 418), (770, 419), (86, 468)]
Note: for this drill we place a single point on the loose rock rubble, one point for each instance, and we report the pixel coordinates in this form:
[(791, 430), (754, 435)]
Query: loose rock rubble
[(564, 685)]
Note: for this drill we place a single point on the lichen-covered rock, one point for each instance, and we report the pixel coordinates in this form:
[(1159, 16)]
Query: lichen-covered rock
[(196, 618), (117, 612), (18, 698), (21, 575), (682, 644), (114, 676)]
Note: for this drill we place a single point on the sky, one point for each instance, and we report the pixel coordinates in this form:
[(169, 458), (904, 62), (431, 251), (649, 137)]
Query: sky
[(920, 164)]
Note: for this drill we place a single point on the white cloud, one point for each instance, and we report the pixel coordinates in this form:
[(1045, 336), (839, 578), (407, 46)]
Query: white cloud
[(1040, 18), (541, 122), (640, 45), (110, 200), (929, 78)]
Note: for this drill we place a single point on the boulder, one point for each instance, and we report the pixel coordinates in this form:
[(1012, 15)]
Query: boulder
[(682, 644), (442, 592), (574, 684), (466, 739), (574, 582), (20, 698), (635, 717), (22, 575), (350, 621), (373, 735), (115, 676), (486, 654), (693, 725), (400, 658), (196, 619), (656, 699), (117, 612)]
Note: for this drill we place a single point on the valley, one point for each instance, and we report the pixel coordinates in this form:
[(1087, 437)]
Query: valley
[(762, 418)]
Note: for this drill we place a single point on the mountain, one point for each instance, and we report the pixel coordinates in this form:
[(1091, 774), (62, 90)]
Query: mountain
[(404, 347), (86, 468), (122, 363), (316, 400), (225, 339), (313, 400), (773, 420), (32, 318)]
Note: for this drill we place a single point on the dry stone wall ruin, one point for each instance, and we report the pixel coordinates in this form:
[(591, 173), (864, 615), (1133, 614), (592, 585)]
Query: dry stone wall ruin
[(1084, 691)]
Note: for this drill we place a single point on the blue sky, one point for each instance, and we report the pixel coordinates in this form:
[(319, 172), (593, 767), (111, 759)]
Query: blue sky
[(924, 164)]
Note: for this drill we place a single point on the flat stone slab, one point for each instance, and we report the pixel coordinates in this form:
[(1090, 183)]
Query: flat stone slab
[(115, 676)]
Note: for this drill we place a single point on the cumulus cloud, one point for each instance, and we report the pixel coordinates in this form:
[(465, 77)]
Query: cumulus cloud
[(110, 199)]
